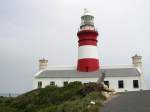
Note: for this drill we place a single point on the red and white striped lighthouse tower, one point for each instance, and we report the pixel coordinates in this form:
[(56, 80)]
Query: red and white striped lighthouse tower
[(88, 59)]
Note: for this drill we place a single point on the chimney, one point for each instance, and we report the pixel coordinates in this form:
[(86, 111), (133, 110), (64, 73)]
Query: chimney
[(137, 61), (43, 64)]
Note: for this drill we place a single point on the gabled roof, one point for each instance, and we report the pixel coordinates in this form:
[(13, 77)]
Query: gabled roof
[(73, 73)]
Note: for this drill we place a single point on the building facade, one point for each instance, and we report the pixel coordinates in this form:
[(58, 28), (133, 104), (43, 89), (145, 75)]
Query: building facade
[(120, 78)]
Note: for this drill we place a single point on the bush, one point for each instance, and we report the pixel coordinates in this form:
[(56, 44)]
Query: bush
[(74, 97), (52, 108), (4, 108)]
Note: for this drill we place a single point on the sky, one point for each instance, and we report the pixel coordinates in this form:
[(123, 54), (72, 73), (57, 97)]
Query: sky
[(33, 29)]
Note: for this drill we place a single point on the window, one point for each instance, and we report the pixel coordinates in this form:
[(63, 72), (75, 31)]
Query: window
[(85, 83), (65, 83), (120, 84), (135, 84), (52, 83), (106, 83), (39, 84)]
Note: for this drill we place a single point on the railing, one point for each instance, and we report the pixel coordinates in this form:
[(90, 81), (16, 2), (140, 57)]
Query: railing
[(83, 29), (86, 23)]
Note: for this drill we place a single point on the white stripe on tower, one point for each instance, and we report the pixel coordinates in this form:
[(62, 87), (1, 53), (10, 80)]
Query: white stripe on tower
[(87, 51)]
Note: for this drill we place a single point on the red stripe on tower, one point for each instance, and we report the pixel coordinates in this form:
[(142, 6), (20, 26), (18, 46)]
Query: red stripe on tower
[(88, 59)]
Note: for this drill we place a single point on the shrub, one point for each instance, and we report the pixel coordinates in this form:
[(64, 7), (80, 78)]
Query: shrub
[(74, 97)]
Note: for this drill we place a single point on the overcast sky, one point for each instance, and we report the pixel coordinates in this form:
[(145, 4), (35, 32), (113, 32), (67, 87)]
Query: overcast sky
[(32, 29)]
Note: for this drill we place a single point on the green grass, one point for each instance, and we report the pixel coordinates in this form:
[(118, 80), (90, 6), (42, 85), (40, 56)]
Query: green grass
[(74, 97)]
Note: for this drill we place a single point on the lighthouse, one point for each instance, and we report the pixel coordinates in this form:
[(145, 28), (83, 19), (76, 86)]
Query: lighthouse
[(88, 59), (120, 78)]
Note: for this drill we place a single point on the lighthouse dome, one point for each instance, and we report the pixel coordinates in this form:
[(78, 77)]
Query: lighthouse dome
[(86, 12)]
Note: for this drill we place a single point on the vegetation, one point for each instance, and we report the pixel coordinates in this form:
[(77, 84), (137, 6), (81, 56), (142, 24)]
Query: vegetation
[(74, 97)]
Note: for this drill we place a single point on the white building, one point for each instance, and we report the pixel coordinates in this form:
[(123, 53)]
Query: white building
[(119, 78)]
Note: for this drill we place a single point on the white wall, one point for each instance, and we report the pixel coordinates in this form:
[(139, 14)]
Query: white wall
[(128, 83), (113, 82)]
